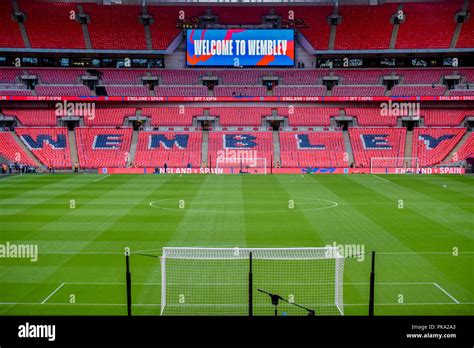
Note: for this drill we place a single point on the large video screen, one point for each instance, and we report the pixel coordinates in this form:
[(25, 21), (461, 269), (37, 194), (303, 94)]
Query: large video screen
[(240, 47)]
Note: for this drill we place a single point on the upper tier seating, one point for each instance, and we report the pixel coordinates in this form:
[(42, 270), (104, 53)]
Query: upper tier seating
[(357, 32), (172, 116), (240, 91), (466, 36), (432, 145), (377, 142), (358, 91), (422, 76), (361, 77), (230, 144), (310, 149), (10, 75), (308, 116), (181, 77), (14, 91), (418, 90), (49, 145), (115, 27), (242, 116), (124, 76), (49, 25), (418, 30), (466, 150), (181, 91), (10, 150), (33, 117), (317, 29), (164, 29), (461, 92), (128, 91), (58, 76), (10, 35), (238, 15), (103, 147), (299, 91), (108, 116), (176, 149), (62, 90), (372, 117)]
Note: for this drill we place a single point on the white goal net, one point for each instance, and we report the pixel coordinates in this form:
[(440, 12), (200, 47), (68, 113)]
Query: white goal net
[(216, 281), (242, 165), (385, 165)]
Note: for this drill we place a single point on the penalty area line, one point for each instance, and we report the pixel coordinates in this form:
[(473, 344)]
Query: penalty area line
[(446, 293), (51, 294)]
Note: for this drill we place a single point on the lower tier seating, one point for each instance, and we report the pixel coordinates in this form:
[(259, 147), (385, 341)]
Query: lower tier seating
[(240, 144), (49, 145), (176, 149), (432, 145), (377, 142), (313, 149), (103, 147), (11, 151)]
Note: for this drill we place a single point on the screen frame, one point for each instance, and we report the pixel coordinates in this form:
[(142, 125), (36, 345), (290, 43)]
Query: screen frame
[(186, 31)]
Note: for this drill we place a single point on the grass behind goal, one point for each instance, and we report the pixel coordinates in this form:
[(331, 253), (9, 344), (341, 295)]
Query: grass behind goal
[(420, 226)]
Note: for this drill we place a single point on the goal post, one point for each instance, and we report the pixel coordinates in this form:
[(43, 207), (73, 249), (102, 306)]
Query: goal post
[(381, 165), (218, 281), (235, 165)]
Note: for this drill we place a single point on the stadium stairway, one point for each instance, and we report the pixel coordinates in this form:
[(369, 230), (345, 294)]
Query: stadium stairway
[(85, 29), (26, 149), (205, 146), (149, 43), (276, 146), (461, 142), (133, 146), (457, 31), (408, 143), (72, 147), (23, 32), (396, 27), (332, 35), (348, 146)]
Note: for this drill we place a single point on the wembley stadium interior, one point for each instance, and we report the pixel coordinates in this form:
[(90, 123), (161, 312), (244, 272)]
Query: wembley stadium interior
[(128, 59)]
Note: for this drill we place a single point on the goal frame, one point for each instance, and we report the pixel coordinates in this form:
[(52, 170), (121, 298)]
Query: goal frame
[(240, 163), (252, 254), (404, 160)]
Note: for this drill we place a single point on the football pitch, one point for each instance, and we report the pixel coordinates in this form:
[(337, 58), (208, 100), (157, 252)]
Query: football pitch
[(421, 227)]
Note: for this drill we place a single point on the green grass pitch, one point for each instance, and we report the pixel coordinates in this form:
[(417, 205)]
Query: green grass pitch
[(422, 228)]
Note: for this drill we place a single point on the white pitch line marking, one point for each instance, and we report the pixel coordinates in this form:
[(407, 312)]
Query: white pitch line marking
[(102, 178), (51, 294), (10, 177), (447, 293), (381, 178)]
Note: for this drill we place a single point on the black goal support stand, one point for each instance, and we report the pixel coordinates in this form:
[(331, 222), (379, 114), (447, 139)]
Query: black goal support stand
[(372, 286), (276, 298), (128, 278), (129, 284)]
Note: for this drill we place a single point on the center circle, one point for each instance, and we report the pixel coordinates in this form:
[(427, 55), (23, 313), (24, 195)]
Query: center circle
[(222, 204)]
